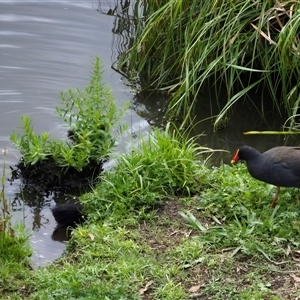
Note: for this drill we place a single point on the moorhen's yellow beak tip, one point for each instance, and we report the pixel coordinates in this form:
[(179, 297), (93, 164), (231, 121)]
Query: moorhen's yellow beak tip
[(232, 161)]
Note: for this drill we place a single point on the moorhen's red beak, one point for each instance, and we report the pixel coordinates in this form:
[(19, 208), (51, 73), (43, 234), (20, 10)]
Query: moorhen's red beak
[(236, 158)]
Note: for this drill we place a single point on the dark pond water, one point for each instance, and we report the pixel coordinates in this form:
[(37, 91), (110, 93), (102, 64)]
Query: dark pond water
[(49, 46)]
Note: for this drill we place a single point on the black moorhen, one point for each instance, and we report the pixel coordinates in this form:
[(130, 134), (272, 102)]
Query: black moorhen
[(279, 166), (68, 215)]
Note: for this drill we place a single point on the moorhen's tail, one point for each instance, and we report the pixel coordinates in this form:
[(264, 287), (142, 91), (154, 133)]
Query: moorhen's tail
[(68, 215)]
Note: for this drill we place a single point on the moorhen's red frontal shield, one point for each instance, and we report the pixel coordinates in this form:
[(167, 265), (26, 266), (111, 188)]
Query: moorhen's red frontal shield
[(279, 166)]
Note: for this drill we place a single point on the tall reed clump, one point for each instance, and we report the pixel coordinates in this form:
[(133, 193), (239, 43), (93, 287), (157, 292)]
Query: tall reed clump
[(90, 114), (182, 46), (163, 165)]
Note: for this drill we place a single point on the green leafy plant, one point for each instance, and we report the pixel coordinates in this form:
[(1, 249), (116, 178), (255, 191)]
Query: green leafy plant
[(33, 147), (90, 114)]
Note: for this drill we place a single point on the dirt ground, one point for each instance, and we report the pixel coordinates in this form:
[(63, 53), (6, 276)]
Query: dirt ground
[(170, 230)]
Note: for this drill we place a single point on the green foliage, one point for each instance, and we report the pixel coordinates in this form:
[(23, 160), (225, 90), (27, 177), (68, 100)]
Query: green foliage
[(14, 246), (112, 266), (183, 46), (90, 113), (13, 249), (239, 209), (162, 166), (33, 147)]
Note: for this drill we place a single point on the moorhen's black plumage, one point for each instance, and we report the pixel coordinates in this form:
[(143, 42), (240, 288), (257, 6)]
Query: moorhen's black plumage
[(279, 166), (68, 215)]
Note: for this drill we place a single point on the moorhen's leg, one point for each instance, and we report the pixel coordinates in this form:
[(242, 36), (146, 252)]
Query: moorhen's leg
[(275, 197)]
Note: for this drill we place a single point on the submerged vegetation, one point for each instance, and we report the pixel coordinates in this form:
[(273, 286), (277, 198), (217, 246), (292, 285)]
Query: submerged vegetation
[(182, 47), (136, 245), (90, 115)]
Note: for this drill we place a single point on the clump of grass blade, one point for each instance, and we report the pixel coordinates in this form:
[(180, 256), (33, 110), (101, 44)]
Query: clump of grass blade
[(163, 165)]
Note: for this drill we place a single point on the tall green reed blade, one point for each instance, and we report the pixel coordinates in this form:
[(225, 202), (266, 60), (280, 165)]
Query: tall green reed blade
[(180, 47)]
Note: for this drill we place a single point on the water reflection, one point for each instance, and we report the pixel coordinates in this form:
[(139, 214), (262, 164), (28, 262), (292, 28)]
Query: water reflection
[(115, 8), (61, 235), (33, 209), (126, 18)]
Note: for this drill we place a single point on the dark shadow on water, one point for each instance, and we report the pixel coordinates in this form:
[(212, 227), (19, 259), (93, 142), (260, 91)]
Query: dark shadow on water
[(68, 215), (37, 203)]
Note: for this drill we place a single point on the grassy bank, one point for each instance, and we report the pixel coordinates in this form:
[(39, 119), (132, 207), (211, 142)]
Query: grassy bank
[(227, 243)]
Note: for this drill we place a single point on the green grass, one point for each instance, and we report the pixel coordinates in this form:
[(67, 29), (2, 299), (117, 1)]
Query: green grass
[(110, 265), (14, 257), (164, 225), (165, 164), (241, 217)]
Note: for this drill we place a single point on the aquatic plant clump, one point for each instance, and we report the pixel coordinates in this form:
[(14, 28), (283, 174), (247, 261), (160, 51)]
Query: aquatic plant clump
[(90, 114)]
